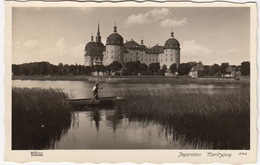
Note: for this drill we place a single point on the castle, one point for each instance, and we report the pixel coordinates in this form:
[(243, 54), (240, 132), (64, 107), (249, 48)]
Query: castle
[(96, 53)]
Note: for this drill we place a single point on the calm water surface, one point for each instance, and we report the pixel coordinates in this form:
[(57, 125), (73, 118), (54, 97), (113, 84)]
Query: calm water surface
[(107, 129)]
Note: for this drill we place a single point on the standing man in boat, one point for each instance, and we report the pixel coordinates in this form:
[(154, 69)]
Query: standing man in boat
[(95, 91)]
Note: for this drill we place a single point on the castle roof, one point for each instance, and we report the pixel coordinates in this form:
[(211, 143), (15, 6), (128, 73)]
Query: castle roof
[(172, 43), (157, 49), (115, 38)]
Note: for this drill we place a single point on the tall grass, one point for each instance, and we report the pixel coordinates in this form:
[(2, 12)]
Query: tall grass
[(218, 120), (39, 117)]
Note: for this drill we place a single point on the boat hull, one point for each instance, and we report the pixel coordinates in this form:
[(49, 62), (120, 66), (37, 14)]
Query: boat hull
[(89, 102)]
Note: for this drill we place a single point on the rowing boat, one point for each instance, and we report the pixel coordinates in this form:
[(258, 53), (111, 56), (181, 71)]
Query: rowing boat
[(89, 102)]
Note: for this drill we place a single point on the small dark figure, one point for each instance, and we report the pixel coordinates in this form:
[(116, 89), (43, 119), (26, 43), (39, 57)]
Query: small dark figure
[(95, 91)]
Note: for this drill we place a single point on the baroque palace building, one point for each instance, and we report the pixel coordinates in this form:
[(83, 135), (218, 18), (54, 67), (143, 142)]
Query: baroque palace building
[(96, 53)]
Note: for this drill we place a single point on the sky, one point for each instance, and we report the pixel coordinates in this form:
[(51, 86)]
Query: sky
[(59, 34)]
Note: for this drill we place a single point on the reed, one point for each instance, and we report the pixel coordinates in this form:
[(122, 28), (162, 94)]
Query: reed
[(218, 119), (39, 117)]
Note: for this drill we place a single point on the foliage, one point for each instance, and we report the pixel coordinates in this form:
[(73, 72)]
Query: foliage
[(214, 70), (45, 68), (219, 120), (173, 68), (184, 69), (245, 68), (39, 117), (115, 66), (154, 67), (223, 68)]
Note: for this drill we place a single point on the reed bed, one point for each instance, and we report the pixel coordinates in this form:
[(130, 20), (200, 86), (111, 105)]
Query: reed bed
[(39, 117), (217, 119)]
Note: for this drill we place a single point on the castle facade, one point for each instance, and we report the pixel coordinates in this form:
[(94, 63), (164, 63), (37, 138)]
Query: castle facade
[(96, 53)]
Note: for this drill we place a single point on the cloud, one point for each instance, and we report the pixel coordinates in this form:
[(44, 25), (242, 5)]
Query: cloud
[(31, 44), (173, 22), (60, 52), (148, 17), (233, 50), (191, 50)]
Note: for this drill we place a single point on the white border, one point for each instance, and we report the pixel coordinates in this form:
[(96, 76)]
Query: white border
[(137, 156)]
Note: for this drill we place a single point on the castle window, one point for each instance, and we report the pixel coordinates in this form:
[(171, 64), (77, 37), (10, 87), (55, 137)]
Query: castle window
[(171, 59), (111, 51), (125, 59), (166, 59), (111, 56), (166, 55)]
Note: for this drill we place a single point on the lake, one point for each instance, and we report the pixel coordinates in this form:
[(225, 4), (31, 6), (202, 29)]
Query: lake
[(110, 129)]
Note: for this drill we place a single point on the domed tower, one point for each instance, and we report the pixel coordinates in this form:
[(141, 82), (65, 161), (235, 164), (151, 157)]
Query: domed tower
[(171, 53), (94, 50), (89, 46), (114, 48)]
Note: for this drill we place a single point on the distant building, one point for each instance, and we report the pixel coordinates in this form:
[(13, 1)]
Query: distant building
[(230, 72), (197, 71), (116, 50)]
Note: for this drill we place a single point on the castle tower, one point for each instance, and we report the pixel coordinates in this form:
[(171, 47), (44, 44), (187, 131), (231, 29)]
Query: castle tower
[(171, 52), (98, 37), (89, 46), (114, 48)]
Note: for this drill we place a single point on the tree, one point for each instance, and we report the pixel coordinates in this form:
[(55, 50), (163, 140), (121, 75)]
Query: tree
[(163, 70), (16, 69), (97, 68), (60, 69), (115, 67), (173, 68), (192, 64), (87, 70), (143, 67), (214, 70), (223, 68), (245, 68), (206, 70), (129, 68), (154, 67), (43, 68), (184, 69)]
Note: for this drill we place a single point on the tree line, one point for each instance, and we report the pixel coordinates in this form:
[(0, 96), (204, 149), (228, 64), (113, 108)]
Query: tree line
[(131, 68)]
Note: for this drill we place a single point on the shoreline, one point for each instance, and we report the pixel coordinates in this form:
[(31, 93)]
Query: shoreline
[(136, 79)]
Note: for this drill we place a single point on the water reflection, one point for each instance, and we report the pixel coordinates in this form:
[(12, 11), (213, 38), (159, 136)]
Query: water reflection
[(83, 89), (112, 129), (114, 119)]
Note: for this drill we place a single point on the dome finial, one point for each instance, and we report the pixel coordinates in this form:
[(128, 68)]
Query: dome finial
[(172, 34), (115, 28), (142, 41), (92, 37)]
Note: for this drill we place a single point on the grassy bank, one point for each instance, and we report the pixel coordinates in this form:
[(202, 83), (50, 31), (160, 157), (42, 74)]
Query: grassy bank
[(39, 117), (135, 79), (218, 120)]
